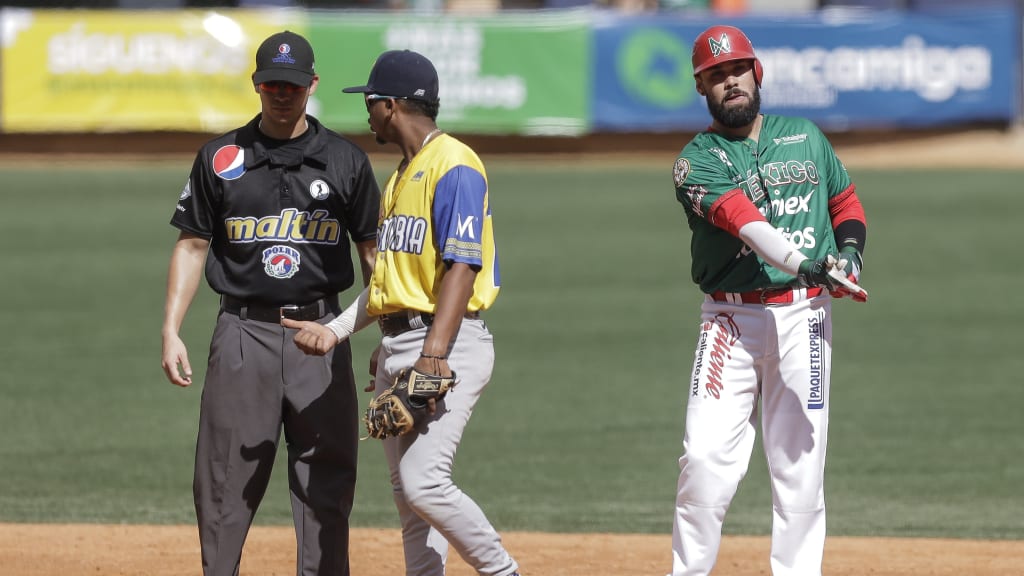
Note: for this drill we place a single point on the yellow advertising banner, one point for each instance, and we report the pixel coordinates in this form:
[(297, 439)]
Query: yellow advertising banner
[(117, 71)]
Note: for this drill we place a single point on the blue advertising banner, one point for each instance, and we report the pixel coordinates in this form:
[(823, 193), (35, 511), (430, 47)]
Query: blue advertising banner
[(843, 69)]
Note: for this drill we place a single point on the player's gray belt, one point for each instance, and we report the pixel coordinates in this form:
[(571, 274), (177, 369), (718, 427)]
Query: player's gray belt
[(265, 313), (400, 322), (767, 296)]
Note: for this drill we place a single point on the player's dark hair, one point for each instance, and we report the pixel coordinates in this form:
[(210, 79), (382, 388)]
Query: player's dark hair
[(428, 109)]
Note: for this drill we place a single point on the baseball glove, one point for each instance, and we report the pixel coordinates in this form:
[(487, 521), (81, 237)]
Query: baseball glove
[(397, 410)]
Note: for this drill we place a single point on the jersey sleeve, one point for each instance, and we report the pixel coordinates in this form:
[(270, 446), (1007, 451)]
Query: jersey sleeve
[(364, 205), (195, 210), (706, 189), (458, 214), (837, 178)]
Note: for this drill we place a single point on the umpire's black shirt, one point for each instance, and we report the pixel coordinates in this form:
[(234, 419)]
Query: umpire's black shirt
[(279, 213)]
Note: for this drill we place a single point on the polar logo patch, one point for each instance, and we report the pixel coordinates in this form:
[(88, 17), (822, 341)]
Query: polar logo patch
[(281, 261)]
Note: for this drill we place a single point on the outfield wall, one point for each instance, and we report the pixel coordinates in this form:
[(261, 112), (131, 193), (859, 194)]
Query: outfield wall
[(565, 73)]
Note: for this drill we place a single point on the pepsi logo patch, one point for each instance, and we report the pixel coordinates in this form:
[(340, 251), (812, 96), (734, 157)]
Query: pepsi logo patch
[(281, 261), (229, 162), (319, 190)]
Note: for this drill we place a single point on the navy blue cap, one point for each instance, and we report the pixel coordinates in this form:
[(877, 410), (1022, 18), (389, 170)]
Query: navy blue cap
[(284, 57), (402, 74)]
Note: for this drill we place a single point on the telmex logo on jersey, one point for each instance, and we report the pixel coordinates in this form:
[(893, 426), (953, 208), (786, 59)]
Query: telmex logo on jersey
[(229, 162), (792, 205)]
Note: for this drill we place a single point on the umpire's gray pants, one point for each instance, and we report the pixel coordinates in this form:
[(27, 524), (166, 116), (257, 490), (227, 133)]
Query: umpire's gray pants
[(257, 382), (434, 512)]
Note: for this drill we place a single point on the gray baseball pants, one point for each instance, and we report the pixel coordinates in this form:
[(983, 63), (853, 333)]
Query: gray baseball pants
[(258, 383), (433, 511)]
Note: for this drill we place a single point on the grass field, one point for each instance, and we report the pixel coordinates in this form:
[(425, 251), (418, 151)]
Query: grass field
[(581, 428)]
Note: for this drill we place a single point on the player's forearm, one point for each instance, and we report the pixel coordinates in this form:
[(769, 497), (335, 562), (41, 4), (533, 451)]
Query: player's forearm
[(771, 246), (355, 317), (848, 221), (851, 235), (352, 319)]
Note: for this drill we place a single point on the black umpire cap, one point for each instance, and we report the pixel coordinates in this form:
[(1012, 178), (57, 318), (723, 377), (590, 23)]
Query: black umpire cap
[(284, 57), (401, 74)]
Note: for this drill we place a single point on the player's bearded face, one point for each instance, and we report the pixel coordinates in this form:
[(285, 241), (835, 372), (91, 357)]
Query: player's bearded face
[(738, 113)]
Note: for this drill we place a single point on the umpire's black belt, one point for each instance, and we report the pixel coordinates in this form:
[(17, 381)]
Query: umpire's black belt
[(401, 322), (267, 313)]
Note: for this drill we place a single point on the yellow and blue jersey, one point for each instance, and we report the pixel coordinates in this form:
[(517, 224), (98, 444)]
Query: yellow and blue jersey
[(436, 212)]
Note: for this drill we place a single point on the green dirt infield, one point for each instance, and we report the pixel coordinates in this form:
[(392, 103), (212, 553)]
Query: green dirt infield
[(580, 430)]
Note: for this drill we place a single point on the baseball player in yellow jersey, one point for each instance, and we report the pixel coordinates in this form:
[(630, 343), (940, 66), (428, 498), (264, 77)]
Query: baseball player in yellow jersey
[(435, 271)]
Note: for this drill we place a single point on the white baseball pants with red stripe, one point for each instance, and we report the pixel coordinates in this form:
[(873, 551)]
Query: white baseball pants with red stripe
[(749, 356)]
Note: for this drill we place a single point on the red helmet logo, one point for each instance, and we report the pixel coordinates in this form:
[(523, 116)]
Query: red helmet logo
[(720, 44)]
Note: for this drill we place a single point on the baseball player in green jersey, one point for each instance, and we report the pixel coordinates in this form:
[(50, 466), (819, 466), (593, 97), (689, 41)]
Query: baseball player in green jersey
[(436, 270), (777, 233)]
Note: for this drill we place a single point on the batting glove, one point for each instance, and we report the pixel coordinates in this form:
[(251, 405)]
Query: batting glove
[(849, 264), (815, 273)]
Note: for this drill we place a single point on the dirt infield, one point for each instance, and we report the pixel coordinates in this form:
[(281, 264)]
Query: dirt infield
[(96, 550)]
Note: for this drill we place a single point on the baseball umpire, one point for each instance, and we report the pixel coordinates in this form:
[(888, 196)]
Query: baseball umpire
[(270, 208), (436, 271), (777, 233)]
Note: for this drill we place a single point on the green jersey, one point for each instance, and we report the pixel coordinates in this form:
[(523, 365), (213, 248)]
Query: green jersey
[(790, 174)]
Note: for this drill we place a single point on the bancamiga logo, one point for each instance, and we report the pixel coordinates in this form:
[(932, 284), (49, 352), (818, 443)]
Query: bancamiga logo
[(816, 75)]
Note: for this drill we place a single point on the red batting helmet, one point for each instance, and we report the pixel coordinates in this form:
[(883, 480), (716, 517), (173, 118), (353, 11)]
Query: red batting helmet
[(722, 44)]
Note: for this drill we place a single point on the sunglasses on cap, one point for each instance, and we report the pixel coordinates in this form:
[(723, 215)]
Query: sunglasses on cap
[(276, 88)]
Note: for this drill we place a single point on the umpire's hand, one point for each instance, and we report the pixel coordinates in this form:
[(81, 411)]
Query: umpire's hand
[(312, 337), (175, 361)]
